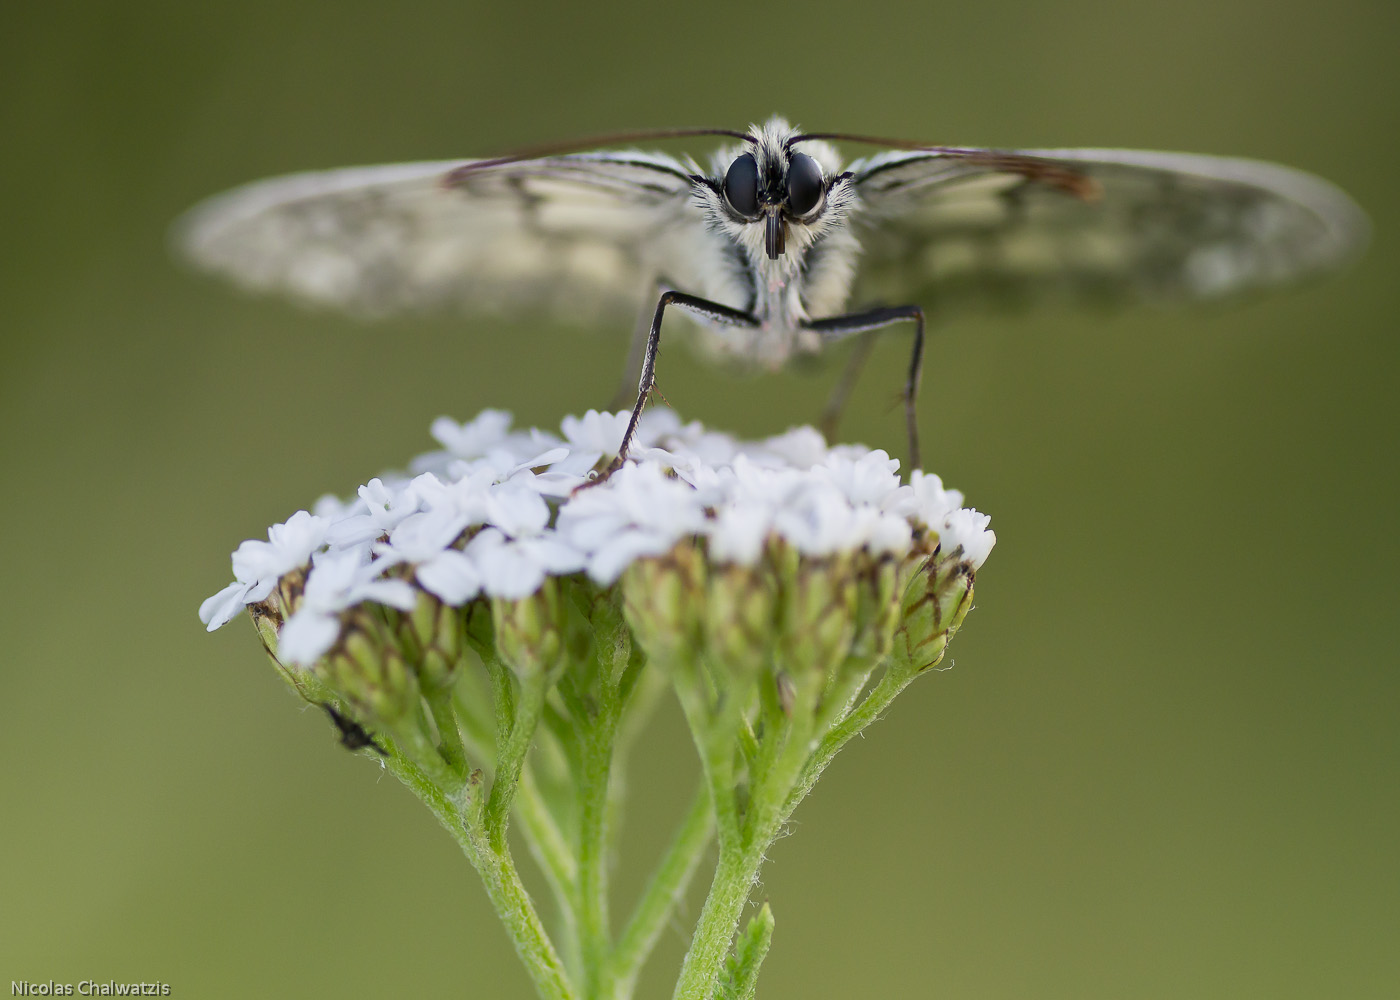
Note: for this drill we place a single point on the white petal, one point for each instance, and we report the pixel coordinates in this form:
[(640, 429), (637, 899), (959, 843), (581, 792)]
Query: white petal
[(607, 564), (551, 552), (596, 431), (507, 569), (966, 530), (453, 577), (394, 593), (738, 534), (217, 611), (474, 438), (306, 637), (892, 534)]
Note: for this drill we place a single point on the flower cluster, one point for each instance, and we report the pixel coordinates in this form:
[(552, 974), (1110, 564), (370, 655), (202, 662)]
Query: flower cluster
[(497, 511)]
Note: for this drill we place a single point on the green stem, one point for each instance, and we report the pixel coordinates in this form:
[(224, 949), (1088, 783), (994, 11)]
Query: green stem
[(473, 704), (843, 694), (709, 948), (449, 735), (594, 931), (503, 886), (663, 892), (895, 680), (410, 742), (510, 758), (639, 702), (713, 735), (502, 695), (772, 737), (546, 839), (543, 837), (786, 768), (769, 794), (555, 859)]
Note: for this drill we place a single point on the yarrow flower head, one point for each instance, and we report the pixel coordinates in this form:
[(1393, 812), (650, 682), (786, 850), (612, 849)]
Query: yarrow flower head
[(498, 512), (508, 584)]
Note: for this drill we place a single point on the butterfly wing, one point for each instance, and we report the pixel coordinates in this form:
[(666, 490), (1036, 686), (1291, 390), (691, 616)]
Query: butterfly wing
[(983, 227), (578, 233)]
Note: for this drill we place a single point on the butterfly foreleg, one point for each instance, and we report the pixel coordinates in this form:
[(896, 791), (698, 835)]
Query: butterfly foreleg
[(869, 322), (711, 311)]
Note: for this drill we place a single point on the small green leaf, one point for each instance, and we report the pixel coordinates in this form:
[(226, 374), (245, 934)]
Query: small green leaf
[(741, 970)]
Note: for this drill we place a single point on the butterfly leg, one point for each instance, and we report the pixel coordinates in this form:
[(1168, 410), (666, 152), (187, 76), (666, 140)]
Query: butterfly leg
[(840, 327), (636, 344), (712, 311)]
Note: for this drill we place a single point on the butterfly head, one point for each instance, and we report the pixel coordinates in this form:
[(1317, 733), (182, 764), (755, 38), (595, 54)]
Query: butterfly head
[(777, 190)]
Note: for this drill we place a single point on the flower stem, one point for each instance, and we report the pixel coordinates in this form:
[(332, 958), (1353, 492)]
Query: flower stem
[(510, 758), (663, 892), (594, 931), (709, 948), (714, 733), (503, 886), (555, 859), (449, 735)]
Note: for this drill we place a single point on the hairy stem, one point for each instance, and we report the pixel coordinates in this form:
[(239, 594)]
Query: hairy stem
[(498, 874), (709, 948), (510, 758), (663, 892)]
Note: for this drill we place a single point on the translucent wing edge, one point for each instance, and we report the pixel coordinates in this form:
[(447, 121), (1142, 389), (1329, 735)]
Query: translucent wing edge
[(192, 234), (1347, 226), (1344, 220)]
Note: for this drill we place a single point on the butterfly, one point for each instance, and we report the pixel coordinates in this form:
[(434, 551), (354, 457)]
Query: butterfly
[(772, 242)]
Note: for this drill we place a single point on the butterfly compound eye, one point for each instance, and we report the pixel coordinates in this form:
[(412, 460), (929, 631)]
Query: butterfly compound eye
[(741, 185), (804, 184)]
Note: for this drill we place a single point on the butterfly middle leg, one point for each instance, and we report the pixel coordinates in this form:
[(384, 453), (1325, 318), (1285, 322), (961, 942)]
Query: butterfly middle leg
[(712, 311), (869, 322), (841, 392)]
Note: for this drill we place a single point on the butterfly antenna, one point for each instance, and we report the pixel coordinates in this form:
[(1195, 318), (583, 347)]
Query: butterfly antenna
[(540, 150)]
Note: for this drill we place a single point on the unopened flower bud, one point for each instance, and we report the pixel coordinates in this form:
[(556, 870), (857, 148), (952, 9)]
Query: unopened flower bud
[(530, 631), (877, 607), (289, 591), (662, 598), (819, 604), (431, 636), (368, 669), (739, 614), (934, 604)]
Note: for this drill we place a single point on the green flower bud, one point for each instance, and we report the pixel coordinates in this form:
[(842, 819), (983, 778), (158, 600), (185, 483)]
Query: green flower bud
[(431, 638), (289, 590), (662, 599), (739, 618), (368, 669), (598, 630), (878, 608), (818, 616), (529, 632), (933, 606), (267, 619)]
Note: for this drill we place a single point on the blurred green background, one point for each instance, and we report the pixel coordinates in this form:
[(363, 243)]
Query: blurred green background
[(1166, 762)]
